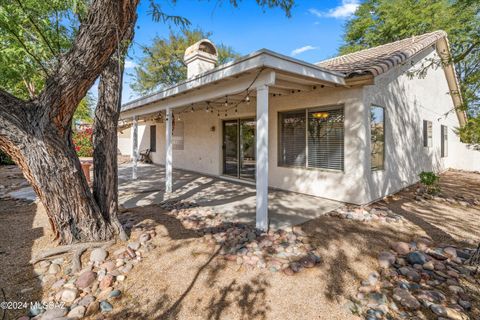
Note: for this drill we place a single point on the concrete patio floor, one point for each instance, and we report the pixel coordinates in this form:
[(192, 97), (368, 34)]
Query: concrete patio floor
[(233, 199)]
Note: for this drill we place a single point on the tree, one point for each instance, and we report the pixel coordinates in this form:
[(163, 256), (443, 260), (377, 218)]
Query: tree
[(162, 64), (35, 129), (378, 22), (36, 133)]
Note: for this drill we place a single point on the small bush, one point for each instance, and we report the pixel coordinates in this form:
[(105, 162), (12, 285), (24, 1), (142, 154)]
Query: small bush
[(430, 180), (5, 159), (83, 141)]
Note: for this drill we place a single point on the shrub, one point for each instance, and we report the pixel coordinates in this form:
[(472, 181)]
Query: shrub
[(430, 180), (5, 159), (83, 141)]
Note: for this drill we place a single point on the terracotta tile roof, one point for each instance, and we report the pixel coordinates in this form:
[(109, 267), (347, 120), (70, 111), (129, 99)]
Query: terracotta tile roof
[(378, 60)]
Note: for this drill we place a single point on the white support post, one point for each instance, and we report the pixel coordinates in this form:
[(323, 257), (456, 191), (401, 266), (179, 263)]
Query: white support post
[(134, 147), (262, 158), (168, 151)]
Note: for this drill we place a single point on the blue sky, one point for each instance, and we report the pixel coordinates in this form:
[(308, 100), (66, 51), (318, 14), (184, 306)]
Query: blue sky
[(312, 33)]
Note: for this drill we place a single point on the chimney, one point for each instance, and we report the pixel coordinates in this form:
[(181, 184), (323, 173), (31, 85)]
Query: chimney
[(200, 57)]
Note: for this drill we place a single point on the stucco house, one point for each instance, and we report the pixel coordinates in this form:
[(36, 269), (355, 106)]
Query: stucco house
[(354, 128)]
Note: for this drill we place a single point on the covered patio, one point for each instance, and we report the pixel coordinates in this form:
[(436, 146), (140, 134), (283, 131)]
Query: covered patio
[(234, 200), (233, 88)]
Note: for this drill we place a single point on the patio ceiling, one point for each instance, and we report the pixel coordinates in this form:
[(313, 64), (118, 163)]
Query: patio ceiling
[(235, 81)]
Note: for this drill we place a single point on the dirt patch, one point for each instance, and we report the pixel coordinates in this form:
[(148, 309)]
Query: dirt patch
[(185, 277)]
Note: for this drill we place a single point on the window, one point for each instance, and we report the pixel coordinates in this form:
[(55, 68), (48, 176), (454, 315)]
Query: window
[(153, 138), (377, 136), (444, 141), (312, 138), (427, 133)]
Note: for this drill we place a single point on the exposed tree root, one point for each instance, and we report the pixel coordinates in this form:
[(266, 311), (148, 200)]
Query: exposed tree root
[(76, 260), (73, 247)]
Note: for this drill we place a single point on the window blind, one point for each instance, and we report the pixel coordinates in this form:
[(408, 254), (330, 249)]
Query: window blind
[(325, 138), (292, 149)]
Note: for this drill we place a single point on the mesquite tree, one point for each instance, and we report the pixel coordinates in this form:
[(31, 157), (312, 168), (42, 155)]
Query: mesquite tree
[(37, 133), (107, 112)]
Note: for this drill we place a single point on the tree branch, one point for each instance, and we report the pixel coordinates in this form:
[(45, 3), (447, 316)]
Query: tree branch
[(82, 64), (36, 27)]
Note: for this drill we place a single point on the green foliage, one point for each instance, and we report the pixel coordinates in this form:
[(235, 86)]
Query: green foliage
[(429, 180), (5, 159), (470, 133), (163, 65), (378, 22), (83, 142), (84, 111), (32, 36)]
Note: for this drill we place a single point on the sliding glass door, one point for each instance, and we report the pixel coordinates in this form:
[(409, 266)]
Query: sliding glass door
[(239, 148)]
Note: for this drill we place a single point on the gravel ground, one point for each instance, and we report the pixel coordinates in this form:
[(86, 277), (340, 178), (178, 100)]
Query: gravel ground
[(183, 278)]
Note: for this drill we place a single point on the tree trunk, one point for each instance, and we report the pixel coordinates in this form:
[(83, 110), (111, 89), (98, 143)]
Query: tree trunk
[(107, 112), (51, 166), (37, 133)]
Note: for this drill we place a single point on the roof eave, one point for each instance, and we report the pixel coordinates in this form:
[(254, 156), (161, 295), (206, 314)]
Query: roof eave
[(260, 59)]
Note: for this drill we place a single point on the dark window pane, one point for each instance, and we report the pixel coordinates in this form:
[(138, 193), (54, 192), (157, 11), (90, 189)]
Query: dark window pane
[(291, 151), (325, 139), (153, 138), (427, 133), (444, 141), (377, 133)]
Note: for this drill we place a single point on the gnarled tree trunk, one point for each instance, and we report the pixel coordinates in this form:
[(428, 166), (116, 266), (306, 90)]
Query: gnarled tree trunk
[(107, 112), (37, 133)]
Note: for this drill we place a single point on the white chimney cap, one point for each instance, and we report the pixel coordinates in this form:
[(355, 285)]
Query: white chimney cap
[(200, 57)]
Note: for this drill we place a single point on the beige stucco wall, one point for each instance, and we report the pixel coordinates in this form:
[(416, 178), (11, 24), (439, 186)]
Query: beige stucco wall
[(408, 100)]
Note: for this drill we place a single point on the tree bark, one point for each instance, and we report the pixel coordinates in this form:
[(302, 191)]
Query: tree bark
[(36, 134), (107, 112)]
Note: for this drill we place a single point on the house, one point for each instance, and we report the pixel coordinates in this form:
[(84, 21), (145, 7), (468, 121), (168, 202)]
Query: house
[(354, 128)]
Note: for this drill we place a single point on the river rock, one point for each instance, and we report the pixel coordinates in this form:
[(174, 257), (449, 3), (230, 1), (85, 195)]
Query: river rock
[(405, 299), (450, 252), (416, 257), (134, 245), (106, 282), (92, 308), (77, 312), (105, 306), (86, 279), (386, 259), (54, 313), (401, 247), (69, 295), (54, 268), (98, 255)]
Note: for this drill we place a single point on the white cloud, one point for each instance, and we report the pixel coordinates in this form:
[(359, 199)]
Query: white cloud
[(302, 49), (129, 64), (345, 10)]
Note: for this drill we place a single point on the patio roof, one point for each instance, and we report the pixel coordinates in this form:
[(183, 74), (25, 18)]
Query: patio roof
[(290, 74)]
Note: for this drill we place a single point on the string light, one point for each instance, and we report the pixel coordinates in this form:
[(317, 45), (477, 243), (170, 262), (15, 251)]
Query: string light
[(247, 99), (226, 101), (192, 108)]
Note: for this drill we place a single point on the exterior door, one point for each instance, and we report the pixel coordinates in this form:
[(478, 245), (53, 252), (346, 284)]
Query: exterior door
[(239, 148), (230, 148)]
